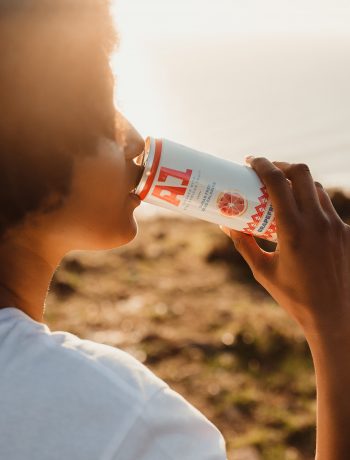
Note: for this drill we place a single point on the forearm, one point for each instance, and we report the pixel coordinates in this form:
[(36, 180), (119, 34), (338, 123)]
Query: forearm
[(331, 356)]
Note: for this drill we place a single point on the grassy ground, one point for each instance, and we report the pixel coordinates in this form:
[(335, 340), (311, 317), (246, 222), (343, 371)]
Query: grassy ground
[(180, 299)]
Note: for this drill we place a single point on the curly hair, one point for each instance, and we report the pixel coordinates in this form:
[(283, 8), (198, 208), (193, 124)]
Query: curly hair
[(56, 98)]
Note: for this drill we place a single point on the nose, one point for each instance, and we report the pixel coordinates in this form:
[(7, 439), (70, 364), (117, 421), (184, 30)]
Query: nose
[(133, 143), (133, 147)]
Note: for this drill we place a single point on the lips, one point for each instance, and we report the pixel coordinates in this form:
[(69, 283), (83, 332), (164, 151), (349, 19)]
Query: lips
[(138, 161), (138, 179)]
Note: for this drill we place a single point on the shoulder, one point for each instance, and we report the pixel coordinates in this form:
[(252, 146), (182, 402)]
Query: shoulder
[(177, 430), (164, 425), (108, 365), (78, 395), (114, 406)]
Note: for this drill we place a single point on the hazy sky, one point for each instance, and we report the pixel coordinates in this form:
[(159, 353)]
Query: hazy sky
[(147, 28), (167, 18), (240, 76)]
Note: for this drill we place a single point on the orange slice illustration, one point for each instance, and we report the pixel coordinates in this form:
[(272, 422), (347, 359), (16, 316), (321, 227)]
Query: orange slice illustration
[(231, 204)]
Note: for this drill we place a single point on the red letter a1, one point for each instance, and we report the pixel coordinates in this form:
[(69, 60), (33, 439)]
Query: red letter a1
[(170, 195), (183, 176)]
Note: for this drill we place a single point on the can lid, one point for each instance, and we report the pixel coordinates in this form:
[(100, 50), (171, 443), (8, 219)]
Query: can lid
[(148, 159)]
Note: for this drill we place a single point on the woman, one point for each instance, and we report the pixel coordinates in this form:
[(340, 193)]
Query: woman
[(68, 165)]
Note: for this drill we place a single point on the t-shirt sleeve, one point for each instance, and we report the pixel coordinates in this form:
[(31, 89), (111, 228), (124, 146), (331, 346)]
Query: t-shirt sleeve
[(170, 428)]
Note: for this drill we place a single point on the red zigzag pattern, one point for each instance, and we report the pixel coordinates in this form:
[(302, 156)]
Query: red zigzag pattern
[(260, 209)]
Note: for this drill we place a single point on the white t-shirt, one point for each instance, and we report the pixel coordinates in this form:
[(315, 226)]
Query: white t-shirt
[(66, 398)]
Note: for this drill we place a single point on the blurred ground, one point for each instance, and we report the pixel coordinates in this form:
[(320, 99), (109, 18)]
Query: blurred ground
[(182, 301)]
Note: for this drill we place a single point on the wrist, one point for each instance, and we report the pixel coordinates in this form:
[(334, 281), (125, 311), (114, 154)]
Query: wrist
[(329, 342), (326, 327)]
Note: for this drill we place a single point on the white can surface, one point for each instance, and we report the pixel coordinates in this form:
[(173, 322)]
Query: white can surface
[(207, 187)]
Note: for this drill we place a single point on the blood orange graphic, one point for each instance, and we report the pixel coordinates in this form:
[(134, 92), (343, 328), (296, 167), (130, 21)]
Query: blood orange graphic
[(231, 204)]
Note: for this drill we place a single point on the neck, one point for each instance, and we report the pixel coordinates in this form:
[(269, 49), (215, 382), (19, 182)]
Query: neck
[(26, 271)]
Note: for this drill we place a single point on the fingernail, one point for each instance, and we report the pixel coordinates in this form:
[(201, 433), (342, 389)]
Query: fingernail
[(225, 230), (249, 159), (318, 185)]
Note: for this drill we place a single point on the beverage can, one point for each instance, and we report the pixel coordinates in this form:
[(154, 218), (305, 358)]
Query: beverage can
[(207, 187)]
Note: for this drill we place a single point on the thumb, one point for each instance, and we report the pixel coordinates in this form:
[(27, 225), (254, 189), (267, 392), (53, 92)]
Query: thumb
[(248, 248)]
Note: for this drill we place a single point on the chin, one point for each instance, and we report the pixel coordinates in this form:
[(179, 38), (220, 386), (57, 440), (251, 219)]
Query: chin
[(126, 234), (118, 232), (132, 231)]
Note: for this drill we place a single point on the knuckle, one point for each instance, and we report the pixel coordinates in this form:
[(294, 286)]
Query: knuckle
[(257, 275), (275, 175), (238, 244), (300, 168), (347, 231), (331, 230), (258, 163), (292, 234), (258, 271), (258, 159), (338, 227), (323, 225)]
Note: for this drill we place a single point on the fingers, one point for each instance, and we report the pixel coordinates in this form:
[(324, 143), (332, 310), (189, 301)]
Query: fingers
[(326, 202), (280, 192), (256, 258), (310, 196), (304, 188)]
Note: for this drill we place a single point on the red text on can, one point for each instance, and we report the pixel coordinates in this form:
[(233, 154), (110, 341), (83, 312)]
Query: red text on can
[(170, 193)]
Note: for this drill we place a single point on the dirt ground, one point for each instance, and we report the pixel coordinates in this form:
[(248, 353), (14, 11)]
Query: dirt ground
[(181, 300)]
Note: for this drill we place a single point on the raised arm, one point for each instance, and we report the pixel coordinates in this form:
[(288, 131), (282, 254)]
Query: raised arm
[(309, 276)]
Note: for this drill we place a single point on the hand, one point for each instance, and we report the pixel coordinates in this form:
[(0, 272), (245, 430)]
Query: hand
[(309, 273)]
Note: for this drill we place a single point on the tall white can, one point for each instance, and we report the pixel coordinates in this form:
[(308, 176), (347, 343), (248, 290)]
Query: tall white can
[(207, 187)]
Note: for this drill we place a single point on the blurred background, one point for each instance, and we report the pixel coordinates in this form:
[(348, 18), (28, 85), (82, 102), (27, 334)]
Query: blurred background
[(230, 77)]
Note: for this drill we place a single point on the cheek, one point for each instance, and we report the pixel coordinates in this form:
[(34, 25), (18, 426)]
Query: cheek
[(99, 200), (109, 214), (114, 228), (110, 185)]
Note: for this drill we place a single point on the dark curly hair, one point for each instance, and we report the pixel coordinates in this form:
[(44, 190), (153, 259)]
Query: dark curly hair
[(56, 98)]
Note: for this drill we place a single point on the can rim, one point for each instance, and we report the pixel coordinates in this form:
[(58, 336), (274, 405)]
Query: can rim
[(148, 159)]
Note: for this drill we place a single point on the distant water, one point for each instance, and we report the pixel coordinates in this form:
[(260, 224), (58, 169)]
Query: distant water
[(287, 99)]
